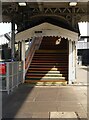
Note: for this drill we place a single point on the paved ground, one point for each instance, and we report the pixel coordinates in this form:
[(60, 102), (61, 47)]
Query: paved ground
[(82, 75), (46, 102)]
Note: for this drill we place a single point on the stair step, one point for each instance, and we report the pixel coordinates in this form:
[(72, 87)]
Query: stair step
[(52, 59), (45, 72), (51, 51), (47, 75), (49, 66), (50, 55), (41, 74), (45, 78), (35, 81), (49, 63)]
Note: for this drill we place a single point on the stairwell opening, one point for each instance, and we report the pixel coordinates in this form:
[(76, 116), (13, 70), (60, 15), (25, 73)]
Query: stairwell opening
[(50, 61)]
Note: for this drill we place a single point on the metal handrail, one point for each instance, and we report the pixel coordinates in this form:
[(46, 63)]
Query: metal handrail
[(36, 41)]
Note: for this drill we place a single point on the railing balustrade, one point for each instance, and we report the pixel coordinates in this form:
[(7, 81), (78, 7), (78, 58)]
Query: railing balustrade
[(36, 41), (11, 75)]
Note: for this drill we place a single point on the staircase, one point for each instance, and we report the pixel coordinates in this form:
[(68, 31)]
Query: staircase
[(48, 65)]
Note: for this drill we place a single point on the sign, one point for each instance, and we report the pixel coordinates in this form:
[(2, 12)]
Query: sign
[(2, 68)]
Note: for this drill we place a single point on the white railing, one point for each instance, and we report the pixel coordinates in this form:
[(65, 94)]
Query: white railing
[(36, 41), (12, 77)]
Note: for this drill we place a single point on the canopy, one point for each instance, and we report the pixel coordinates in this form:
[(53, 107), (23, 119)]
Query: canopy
[(47, 29)]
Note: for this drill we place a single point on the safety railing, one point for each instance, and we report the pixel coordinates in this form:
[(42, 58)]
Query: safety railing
[(11, 75), (36, 41)]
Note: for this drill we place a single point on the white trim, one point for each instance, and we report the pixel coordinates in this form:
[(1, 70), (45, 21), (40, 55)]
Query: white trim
[(47, 30)]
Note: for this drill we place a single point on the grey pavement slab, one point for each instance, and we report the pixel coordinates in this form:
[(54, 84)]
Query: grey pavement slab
[(39, 102), (63, 115), (47, 95)]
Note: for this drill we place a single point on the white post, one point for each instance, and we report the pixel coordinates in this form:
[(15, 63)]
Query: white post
[(70, 62), (74, 62), (23, 59)]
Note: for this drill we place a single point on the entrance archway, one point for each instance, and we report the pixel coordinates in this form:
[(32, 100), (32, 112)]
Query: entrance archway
[(54, 33)]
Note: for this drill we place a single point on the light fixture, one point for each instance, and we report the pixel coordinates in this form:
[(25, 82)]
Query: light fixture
[(58, 41), (73, 4), (22, 4)]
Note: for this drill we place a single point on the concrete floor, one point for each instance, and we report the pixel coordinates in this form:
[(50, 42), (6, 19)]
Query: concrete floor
[(82, 75), (48, 102)]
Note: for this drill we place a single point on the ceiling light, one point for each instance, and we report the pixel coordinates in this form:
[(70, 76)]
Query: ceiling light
[(73, 3), (22, 4), (58, 41)]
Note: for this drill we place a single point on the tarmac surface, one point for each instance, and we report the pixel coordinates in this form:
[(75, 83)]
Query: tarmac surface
[(48, 102)]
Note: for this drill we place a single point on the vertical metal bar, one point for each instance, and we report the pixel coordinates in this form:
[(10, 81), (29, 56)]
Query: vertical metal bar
[(13, 39), (12, 75), (7, 78), (17, 75), (19, 50)]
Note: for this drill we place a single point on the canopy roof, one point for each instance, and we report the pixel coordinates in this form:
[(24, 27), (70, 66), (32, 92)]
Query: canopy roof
[(47, 29), (24, 16)]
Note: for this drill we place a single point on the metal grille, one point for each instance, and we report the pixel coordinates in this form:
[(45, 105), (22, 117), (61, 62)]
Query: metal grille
[(13, 76)]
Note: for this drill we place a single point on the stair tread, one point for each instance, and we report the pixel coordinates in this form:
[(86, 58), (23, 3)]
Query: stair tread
[(51, 51), (44, 74), (33, 71), (45, 78), (48, 66), (48, 63), (32, 81), (51, 59)]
